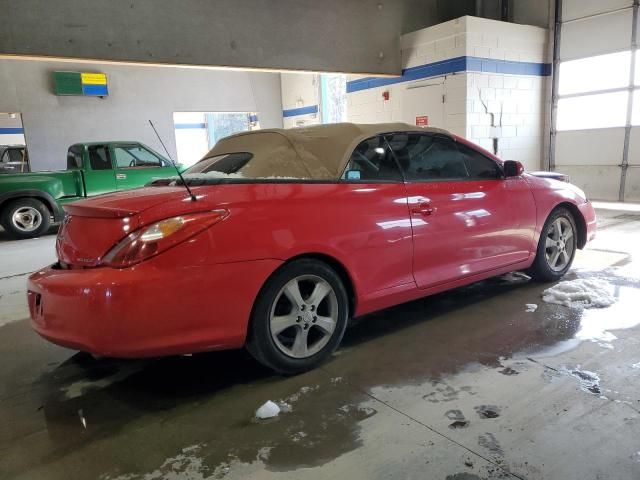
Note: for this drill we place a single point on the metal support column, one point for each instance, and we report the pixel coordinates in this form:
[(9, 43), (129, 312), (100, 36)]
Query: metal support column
[(557, 29), (627, 129)]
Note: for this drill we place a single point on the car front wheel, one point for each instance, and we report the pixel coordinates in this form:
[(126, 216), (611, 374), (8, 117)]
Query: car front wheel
[(556, 247), (299, 317)]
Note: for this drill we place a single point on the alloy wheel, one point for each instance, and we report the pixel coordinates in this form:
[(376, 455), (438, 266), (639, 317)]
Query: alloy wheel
[(559, 244), (26, 219), (304, 316)]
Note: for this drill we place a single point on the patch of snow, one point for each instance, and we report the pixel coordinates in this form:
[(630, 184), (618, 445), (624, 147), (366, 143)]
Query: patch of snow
[(580, 293), (296, 437), (589, 381), (635, 365), (264, 453), (294, 397), (80, 387), (279, 177), (83, 420), (188, 464), (212, 174), (531, 307), (203, 176), (268, 410), (336, 380), (237, 175)]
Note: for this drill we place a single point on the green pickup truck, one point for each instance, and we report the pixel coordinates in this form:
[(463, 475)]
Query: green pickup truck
[(29, 202)]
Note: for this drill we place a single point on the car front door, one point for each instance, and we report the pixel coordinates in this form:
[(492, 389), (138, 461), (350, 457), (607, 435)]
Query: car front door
[(99, 176), (463, 214), (373, 187), (137, 166)]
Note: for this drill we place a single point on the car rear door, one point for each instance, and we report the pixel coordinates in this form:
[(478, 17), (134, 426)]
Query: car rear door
[(463, 216), (137, 165), (99, 176)]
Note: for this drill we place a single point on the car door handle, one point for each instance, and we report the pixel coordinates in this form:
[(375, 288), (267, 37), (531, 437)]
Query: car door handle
[(423, 208), (121, 176)]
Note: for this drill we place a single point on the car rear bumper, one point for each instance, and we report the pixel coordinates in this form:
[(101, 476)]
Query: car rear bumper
[(144, 310)]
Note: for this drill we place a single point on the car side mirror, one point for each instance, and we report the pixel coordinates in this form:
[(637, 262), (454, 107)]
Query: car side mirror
[(513, 168)]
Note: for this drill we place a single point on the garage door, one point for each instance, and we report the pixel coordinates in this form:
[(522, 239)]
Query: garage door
[(597, 115)]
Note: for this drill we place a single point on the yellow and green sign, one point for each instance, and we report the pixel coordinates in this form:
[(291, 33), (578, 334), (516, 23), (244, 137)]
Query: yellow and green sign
[(81, 83)]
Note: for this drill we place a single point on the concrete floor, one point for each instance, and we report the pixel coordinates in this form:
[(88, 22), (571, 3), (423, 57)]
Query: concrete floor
[(460, 386)]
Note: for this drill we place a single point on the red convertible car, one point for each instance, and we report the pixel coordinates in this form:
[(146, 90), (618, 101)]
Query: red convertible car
[(288, 233)]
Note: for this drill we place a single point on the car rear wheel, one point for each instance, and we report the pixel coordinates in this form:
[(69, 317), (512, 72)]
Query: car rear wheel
[(556, 247), (25, 218), (299, 317)]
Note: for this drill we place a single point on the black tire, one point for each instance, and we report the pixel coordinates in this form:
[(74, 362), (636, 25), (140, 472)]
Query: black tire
[(36, 207), (541, 270), (260, 342)]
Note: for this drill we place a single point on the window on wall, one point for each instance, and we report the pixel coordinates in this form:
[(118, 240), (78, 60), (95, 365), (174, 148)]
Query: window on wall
[(333, 90), (594, 92), (592, 111), (603, 72), (635, 109), (197, 132)]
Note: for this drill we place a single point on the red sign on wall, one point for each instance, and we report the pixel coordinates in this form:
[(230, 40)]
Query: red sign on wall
[(422, 121)]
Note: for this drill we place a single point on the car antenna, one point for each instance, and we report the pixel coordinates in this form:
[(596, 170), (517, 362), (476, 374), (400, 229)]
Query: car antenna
[(193, 197)]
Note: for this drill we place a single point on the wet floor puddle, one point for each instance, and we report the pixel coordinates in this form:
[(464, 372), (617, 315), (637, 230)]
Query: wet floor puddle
[(403, 347)]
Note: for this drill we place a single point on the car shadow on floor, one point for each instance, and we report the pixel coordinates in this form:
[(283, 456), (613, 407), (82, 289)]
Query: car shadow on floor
[(468, 324), (210, 398)]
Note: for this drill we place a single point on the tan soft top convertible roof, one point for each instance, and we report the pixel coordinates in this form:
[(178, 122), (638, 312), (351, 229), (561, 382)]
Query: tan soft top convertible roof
[(318, 152)]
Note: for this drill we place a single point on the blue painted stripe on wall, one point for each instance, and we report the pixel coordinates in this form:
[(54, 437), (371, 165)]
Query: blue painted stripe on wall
[(190, 126), (294, 112), (479, 64), (11, 131), (453, 65)]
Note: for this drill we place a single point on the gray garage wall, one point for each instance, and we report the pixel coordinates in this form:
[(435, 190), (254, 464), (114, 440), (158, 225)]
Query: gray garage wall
[(351, 36), (136, 94)]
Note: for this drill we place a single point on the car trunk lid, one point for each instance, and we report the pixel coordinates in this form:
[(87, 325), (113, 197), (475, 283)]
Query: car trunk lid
[(93, 226)]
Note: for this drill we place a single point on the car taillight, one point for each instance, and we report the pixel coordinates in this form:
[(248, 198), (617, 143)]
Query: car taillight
[(153, 239)]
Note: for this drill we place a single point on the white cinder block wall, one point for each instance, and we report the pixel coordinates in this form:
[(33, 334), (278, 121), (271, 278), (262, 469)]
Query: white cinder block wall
[(300, 99), (482, 79), (508, 107)]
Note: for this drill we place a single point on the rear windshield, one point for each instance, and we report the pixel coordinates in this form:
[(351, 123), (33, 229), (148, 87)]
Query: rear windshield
[(244, 165), (225, 165)]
